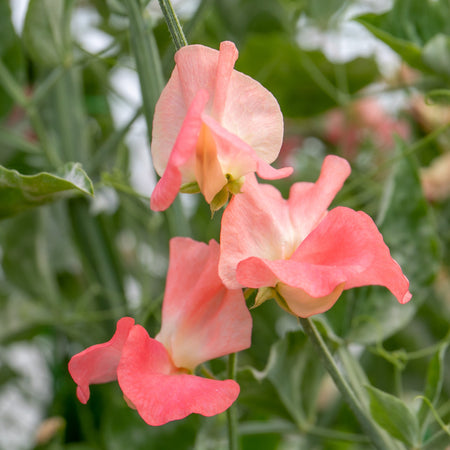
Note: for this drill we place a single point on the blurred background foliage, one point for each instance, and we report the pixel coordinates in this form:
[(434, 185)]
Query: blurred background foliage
[(80, 248)]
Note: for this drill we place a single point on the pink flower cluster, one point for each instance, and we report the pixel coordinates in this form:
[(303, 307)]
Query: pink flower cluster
[(214, 128)]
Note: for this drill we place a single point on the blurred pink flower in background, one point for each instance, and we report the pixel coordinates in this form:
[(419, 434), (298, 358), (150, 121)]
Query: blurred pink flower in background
[(363, 119), (302, 253), (212, 126), (201, 320)]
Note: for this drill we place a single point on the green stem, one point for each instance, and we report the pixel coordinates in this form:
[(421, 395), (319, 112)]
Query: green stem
[(233, 443), (379, 440), (173, 24)]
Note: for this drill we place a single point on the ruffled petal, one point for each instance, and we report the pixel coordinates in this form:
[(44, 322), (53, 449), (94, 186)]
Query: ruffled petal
[(201, 318), (315, 280), (182, 156), (348, 238), (98, 364), (159, 394), (308, 202), (255, 223)]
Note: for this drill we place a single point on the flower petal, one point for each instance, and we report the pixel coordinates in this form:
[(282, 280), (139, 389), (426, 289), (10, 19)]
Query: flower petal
[(255, 223), (253, 114), (208, 170), (183, 154), (314, 279), (98, 364), (308, 202), (350, 238), (228, 55), (237, 158), (303, 305), (201, 318), (161, 396)]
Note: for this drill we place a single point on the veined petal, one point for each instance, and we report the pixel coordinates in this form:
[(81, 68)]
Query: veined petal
[(346, 237), (201, 318), (253, 114), (161, 395), (98, 363), (182, 156)]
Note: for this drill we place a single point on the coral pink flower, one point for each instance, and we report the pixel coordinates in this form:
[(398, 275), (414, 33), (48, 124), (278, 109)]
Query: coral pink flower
[(212, 126), (201, 320), (303, 254)]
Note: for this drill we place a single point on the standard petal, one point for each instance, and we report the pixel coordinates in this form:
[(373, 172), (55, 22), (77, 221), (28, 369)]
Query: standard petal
[(308, 202), (201, 318), (98, 364), (181, 162), (253, 114), (159, 394), (255, 223), (350, 240)]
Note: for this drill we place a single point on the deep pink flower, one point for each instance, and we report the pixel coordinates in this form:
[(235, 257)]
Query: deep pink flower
[(201, 320), (212, 126), (302, 253)]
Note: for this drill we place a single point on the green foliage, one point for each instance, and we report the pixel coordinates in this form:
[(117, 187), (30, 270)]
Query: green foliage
[(434, 381), (70, 265), (46, 33), (20, 192), (394, 416), (411, 28)]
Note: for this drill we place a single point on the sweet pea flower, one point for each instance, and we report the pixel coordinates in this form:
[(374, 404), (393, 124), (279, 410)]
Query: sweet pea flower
[(300, 253), (201, 320), (212, 126)]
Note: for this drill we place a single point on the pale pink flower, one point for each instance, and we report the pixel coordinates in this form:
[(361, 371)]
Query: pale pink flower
[(212, 126), (303, 254), (201, 320)]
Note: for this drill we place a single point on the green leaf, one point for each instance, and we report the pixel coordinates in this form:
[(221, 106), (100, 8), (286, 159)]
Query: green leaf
[(303, 82), (433, 385), (19, 192), (410, 52), (409, 230), (409, 26), (46, 32), (436, 54), (295, 374), (394, 416)]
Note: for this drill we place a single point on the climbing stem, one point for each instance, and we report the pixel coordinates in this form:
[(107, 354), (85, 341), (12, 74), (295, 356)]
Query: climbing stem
[(231, 411), (379, 440), (173, 24)]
